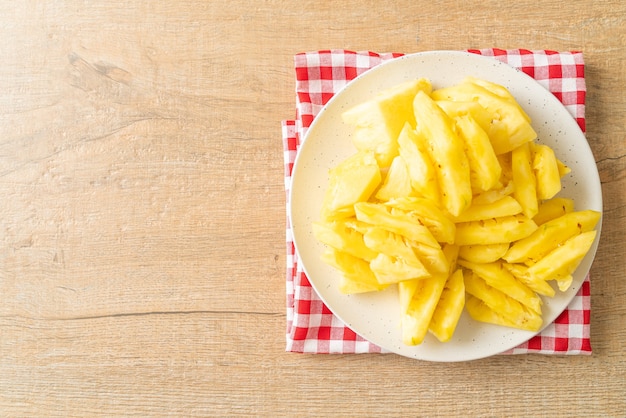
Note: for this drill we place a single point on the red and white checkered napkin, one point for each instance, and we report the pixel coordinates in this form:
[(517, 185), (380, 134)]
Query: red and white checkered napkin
[(311, 326)]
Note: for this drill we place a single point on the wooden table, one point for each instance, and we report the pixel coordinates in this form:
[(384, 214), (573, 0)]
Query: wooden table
[(142, 265)]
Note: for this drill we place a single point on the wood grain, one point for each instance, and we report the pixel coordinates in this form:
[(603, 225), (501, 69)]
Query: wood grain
[(142, 215)]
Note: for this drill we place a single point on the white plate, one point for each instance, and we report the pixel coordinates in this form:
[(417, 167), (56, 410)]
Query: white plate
[(375, 316)]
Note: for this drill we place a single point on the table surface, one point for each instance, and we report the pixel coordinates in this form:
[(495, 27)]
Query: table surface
[(142, 210)]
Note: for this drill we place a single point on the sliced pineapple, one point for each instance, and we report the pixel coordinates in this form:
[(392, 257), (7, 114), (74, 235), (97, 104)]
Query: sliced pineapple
[(378, 121), (353, 180), (449, 308)]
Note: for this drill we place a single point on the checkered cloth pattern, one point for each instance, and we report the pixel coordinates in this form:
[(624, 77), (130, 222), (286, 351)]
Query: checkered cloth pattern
[(311, 326)]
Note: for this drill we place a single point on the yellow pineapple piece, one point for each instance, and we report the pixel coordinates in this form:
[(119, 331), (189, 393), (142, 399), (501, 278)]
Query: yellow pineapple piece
[(378, 121), (520, 271), (389, 269), (406, 290), (447, 152), (481, 312), (550, 235), (498, 277), (353, 180), (505, 206), (341, 236), (513, 313), (412, 149), (356, 275), (400, 223), (449, 307), (416, 319), (425, 212), (553, 208), (565, 282), (546, 172), (563, 261), (524, 180), (505, 229), (473, 109), (380, 240), (509, 126), (486, 253), (397, 182), (485, 170)]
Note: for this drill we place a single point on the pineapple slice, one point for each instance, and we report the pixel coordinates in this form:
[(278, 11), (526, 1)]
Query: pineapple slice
[(447, 152), (400, 223), (487, 253), (494, 231), (513, 312), (498, 277), (389, 269), (449, 308), (546, 172), (510, 126), (506, 206), (412, 149), (397, 183), (481, 312), (425, 212), (356, 275), (455, 108), (553, 208), (520, 271), (550, 235), (378, 121), (416, 319), (406, 290), (563, 261), (485, 170), (353, 180), (524, 180), (341, 236), (380, 240)]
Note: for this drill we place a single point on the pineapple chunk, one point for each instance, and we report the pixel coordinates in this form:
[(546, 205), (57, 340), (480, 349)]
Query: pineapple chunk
[(520, 271), (550, 235), (524, 180), (428, 214), (553, 208), (546, 172), (506, 206), (485, 170), (487, 253), (378, 121), (447, 153), (356, 275), (473, 109), (494, 231), (353, 180), (565, 282), (449, 308), (563, 261), (406, 290), (481, 312), (514, 313), (380, 240), (342, 237), (412, 149), (397, 183), (509, 127), (380, 215), (417, 318), (388, 269), (432, 258), (498, 277)]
